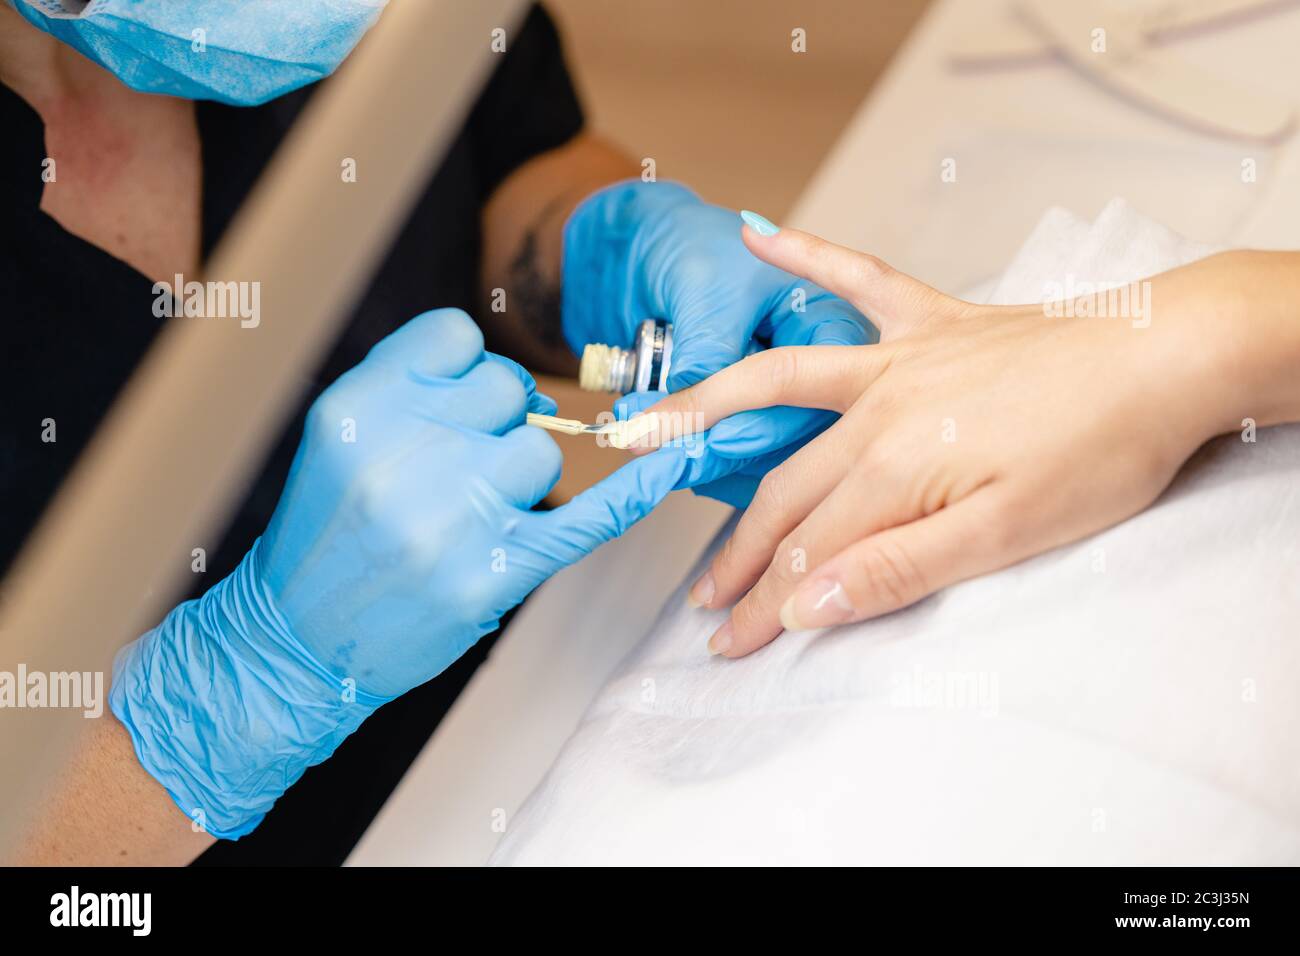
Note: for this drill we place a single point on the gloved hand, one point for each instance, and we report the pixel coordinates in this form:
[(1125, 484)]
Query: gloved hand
[(386, 558), (639, 250)]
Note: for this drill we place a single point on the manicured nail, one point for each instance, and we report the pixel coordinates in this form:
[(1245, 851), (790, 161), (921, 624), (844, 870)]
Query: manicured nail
[(702, 591), (760, 224), (640, 434), (817, 604), (721, 640)]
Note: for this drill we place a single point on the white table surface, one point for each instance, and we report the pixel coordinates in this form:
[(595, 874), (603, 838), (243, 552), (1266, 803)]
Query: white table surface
[(1022, 139)]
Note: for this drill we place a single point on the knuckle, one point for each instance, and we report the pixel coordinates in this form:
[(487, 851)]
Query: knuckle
[(780, 569), (880, 461), (753, 612), (370, 490), (536, 443), (480, 593), (960, 308), (451, 321), (678, 412), (729, 559), (891, 576), (503, 385), (874, 269), (783, 368), (326, 414), (738, 563), (772, 496), (880, 404), (675, 407)]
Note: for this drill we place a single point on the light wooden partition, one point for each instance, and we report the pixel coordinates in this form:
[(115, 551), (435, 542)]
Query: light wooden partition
[(178, 447)]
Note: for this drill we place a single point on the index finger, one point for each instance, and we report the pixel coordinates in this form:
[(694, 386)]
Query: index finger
[(813, 376), (893, 301)]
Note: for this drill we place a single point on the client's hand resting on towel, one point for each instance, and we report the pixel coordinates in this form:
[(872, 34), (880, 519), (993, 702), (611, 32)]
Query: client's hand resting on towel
[(973, 437)]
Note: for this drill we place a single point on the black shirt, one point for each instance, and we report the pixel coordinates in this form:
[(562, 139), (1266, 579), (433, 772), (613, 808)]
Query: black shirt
[(70, 341)]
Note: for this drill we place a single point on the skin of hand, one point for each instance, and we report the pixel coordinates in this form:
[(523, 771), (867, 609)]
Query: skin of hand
[(973, 437)]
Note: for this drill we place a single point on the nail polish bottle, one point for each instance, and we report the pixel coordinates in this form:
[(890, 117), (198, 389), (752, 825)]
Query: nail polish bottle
[(641, 368)]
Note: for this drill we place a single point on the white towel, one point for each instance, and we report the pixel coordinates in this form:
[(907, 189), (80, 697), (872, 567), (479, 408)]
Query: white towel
[(1128, 699)]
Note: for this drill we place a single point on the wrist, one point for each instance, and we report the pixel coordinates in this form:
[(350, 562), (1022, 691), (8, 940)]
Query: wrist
[(1248, 305), (600, 253), (226, 709)]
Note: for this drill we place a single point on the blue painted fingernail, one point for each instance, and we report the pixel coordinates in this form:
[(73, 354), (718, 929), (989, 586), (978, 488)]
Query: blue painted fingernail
[(760, 224)]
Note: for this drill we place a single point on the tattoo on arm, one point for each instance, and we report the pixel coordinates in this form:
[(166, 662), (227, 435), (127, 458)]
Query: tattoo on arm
[(535, 288)]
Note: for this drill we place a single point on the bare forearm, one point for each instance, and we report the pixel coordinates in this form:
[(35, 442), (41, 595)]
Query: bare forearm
[(105, 810), (523, 227)]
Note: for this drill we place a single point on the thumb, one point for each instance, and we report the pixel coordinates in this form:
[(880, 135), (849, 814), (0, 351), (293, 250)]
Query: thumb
[(893, 301), (607, 509)]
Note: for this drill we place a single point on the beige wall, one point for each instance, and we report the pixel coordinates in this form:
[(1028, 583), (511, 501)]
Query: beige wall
[(711, 90)]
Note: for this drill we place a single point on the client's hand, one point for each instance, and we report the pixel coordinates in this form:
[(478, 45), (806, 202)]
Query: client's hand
[(973, 437)]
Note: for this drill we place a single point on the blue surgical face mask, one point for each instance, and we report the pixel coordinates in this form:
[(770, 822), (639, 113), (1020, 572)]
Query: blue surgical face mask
[(242, 52)]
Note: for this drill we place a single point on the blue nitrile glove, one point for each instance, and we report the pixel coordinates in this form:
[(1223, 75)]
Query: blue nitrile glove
[(638, 250), (387, 557)]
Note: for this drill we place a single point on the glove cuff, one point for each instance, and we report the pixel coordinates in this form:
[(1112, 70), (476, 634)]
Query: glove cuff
[(226, 709), (600, 236)]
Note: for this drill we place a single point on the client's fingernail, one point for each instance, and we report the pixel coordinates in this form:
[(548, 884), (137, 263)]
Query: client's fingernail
[(816, 604), (721, 640), (638, 434), (760, 224), (702, 591)]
